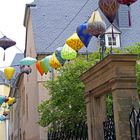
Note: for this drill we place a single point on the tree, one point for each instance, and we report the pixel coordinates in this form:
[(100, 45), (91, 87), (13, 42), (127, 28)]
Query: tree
[(135, 49), (66, 106)]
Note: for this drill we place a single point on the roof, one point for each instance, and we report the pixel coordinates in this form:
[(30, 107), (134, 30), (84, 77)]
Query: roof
[(17, 58), (15, 64), (56, 20), (116, 30), (3, 79)]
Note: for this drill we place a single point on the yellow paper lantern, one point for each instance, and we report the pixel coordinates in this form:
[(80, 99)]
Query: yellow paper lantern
[(11, 101), (54, 63), (9, 71), (74, 42)]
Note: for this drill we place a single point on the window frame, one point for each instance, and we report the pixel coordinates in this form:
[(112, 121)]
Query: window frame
[(117, 36)]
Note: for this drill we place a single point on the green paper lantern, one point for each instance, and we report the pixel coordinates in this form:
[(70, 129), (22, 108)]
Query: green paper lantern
[(46, 60), (28, 61), (2, 118), (43, 66), (68, 53)]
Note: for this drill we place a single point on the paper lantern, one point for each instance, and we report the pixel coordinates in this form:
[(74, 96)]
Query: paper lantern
[(38, 66), (2, 118), (25, 69), (2, 99), (83, 33), (28, 61), (11, 101), (58, 55), (54, 63), (9, 71), (128, 3), (5, 113), (46, 60), (68, 53), (5, 43), (74, 42), (96, 26), (6, 99), (43, 66), (109, 8)]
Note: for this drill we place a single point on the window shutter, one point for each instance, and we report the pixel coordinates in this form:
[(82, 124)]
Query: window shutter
[(123, 16)]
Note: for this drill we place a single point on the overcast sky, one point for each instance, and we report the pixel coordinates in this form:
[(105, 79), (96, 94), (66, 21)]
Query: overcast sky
[(11, 25)]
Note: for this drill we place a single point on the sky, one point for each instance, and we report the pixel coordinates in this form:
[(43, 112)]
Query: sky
[(11, 25)]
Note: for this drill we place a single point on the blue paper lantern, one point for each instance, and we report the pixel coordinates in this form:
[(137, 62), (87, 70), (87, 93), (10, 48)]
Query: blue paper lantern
[(2, 99), (2, 118), (28, 61), (83, 34), (58, 55)]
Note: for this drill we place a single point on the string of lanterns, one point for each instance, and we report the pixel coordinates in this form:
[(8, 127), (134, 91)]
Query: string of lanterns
[(5, 105), (95, 26)]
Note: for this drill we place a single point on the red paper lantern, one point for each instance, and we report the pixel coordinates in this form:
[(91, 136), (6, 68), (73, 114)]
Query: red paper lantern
[(126, 2)]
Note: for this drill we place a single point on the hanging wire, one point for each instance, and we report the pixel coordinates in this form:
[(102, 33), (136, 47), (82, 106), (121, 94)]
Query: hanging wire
[(68, 24), (1, 33), (19, 49), (14, 45)]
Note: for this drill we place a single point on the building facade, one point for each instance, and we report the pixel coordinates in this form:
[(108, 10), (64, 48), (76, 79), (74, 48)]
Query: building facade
[(48, 24)]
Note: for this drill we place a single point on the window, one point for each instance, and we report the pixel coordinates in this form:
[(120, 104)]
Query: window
[(112, 42)]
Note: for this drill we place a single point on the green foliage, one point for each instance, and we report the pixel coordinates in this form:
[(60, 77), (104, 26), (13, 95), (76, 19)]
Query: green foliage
[(134, 49), (138, 77), (66, 105), (109, 104)]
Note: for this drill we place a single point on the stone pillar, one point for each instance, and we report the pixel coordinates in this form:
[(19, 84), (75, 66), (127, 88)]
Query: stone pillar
[(116, 74), (124, 92), (95, 116)]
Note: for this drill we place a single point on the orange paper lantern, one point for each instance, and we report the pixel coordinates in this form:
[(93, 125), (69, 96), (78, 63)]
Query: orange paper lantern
[(38, 66)]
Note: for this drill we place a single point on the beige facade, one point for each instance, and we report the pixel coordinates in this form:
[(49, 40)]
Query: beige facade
[(2, 131), (29, 91)]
